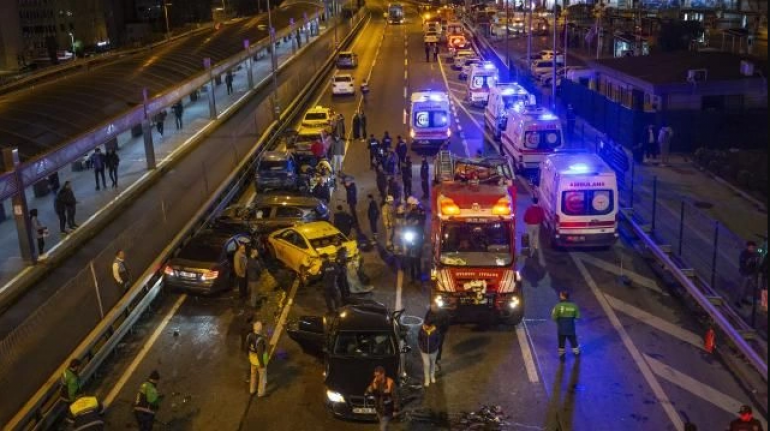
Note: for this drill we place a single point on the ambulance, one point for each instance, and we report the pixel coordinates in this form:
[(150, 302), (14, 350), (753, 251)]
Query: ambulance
[(530, 134), (481, 78), (579, 194), (503, 97), (429, 119)]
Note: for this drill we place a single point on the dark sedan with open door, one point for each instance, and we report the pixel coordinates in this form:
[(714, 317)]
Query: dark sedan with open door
[(353, 342)]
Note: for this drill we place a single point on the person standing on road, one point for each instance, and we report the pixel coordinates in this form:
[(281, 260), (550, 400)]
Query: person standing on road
[(570, 121), (746, 421), (258, 358), (229, 81), (382, 182), (338, 154), (160, 122), (240, 264), (147, 402), (424, 177), (53, 182), (85, 413), (351, 194), (427, 52), (401, 152), (40, 231), (112, 161), (390, 163), (342, 268), (330, 280), (98, 163), (435, 52), (357, 126), (374, 146), (388, 221), (67, 198), (178, 111), (385, 397), (343, 221), (362, 119), (253, 274), (120, 272), (394, 189), (650, 149), (441, 318), (533, 218), (69, 382), (340, 129), (61, 212), (564, 314), (748, 267), (406, 176), (386, 141), (373, 213), (428, 340), (664, 143)]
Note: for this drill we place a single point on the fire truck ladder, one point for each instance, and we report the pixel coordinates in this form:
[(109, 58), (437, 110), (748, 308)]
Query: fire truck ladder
[(445, 170)]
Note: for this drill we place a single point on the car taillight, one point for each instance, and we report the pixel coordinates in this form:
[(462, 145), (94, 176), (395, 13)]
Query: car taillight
[(209, 275), (168, 270)]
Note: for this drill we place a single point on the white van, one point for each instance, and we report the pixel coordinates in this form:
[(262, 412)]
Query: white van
[(429, 119), (503, 97), (579, 194), (530, 134), (481, 78), (458, 59)]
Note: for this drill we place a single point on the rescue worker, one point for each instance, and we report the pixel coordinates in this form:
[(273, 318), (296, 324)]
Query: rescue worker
[(424, 177), (330, 279), (388, 221), (401, 151), (564, 314), (441, 319), (373, 212), (406, 176), (746, 421), (70, 382), (533, 218), (147, 402), (343, 221), (374, 146), (385, 397), (240, 264), (258, 358), (85, 413), (400, 222), (120, 272), (324, 168)]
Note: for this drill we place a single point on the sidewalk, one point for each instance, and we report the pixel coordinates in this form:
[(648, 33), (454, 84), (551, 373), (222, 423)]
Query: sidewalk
[(133, 165)]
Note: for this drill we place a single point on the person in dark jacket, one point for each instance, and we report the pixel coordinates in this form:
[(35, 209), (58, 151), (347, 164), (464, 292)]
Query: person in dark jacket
[(61, 212), (362, 118), (425, 177), (440, 318), (178, 111), (374, 147), (356, 126), (428, 340), (373, 212), (386, 141), (748, 267), (229, 81), (330, 279), (394, 189), (342, 268), (746, 421), (343, 221), (112, 160), (564, 314), (98, 163), (382, 182), (351, 195), (53, 182), (391, 163), (67, 198), (401, 151), (406, 176), (160, 122)]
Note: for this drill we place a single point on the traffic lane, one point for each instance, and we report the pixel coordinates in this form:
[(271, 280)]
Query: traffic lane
[(183, 189)]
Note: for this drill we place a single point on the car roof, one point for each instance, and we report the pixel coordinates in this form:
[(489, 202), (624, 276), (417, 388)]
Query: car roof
[(343, 75), (280, 199), (347, 53), (310, 131), (276, 155), (364, 318), (318, 109), (317, 229)]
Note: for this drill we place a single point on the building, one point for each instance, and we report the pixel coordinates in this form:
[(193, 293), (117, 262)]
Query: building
[(10, 36)]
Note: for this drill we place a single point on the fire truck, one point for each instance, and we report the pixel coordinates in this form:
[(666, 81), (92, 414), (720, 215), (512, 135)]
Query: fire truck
[(473, 232)]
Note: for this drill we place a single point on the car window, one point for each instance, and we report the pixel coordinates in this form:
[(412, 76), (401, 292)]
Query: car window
[(299, 241), (346, 56), (313, 116), (587, 202), (288, 212), (364, 344), (261, 213), (343, 79), (326, 241)]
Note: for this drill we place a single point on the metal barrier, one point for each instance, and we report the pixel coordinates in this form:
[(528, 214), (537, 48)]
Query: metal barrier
[(44, 408)]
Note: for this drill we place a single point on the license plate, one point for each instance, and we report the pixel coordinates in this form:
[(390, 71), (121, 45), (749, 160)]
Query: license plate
[(185, 274), (363, 410)]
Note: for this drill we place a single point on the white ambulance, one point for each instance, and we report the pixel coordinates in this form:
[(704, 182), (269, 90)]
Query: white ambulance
[(429, 119), (530, 134), (503, 97), (579, 194), (481, 78)]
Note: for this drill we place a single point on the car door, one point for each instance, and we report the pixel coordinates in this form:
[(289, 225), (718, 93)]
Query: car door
[(309, 332), (282, 246), (286, 216)]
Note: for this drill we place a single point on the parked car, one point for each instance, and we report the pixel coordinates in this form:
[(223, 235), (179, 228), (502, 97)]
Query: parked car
[(267, 213), (466, 69), (300, 247), (458, 59), (542, 67), (353, 342), (347, 59), (276, 170), (431, 37), (204, 264), (318, 116), (343, 84)]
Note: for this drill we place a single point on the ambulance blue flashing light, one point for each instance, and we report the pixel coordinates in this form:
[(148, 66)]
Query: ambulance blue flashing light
[(578, 168), (488, 65), (547, 117), (436, 97)]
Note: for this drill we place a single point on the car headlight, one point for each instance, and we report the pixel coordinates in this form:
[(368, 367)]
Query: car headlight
[(514, 302), (334, 397), (409, 236), (439, 300)]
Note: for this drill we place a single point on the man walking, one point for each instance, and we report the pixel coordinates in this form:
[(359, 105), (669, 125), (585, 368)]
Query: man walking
[(424, 178), (385, 397), (98, 163), (362, 119), (428, 341), (229, 81), (258, 358), (351, 194), (564, 314), (533, 218), (70, 382), (382, 182), (240, 265), (441, 318), (112, 161), (178, 111), (748, 266), (120, 272), (373, 212), (67, 198), (147, 402), (160, 122), (338, 154), (330, 280)]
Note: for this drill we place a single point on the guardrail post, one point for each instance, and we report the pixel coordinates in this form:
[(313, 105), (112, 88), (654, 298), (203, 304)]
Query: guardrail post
[(294, 41), (633, 178), (11, 163), (249, 64), (149, 148), (274, 72), (654, 201), (212, 99), (681, 227), (714, 255), (308, 28)]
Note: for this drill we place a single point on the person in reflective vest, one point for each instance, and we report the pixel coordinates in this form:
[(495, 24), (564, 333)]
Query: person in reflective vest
[(147, 402), (85, 413), (564, 314), (70, 382), (258, 357)]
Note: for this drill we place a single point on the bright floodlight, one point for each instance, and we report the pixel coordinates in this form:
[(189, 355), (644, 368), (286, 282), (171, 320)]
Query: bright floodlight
[(436, 97), (548, 116), (488, 65), (578, 168)]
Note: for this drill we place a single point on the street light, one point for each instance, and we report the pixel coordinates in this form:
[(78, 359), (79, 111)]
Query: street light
[(274, 63), (507, 36), (165, 14), (72, 44)]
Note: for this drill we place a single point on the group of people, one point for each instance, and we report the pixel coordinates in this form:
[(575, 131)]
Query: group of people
[(654, 144), (431, 48), (751, 265)]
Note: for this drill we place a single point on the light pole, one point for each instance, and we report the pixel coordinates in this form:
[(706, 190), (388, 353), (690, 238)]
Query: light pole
[(555, 57), (274, 63), (507, 36), (165, 15), (72, 45), (529, 33)]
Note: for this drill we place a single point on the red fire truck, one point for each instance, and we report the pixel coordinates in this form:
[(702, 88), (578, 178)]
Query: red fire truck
[(473, 232)]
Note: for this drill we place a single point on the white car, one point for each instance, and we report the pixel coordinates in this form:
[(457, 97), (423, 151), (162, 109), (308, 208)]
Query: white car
[(466, 69), (431, 37), (458, 60), (343, 84), (542, 67)]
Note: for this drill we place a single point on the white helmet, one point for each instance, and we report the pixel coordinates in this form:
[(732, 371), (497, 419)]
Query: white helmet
[(389, 199), (411, 200)]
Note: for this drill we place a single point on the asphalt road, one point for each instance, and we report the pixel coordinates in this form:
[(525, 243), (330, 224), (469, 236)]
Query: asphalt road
[(642, 367)]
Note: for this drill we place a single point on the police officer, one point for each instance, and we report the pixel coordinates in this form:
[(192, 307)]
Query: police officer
[(86, 414), (386, 141), (564, 314), (70, 382), (401, 151), (406, 176), (330, 278), (147, 402), (374, 146)]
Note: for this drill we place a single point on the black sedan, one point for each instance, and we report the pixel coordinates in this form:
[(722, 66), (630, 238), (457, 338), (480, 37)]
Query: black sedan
[(204, 264), (353, 342), (267, 213)]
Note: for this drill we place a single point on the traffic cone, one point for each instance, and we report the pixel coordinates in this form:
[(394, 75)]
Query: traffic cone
[(709, 341)]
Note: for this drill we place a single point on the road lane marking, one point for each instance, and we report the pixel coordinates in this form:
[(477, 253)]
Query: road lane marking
[(655, 321), (405, 75), (614, 269), (405, 92), (526, 353), (142, 353), (699, 389), (641, 364)]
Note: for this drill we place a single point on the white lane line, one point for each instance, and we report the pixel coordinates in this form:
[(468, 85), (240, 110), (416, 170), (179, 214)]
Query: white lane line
[(406, 62), (460, 85), (142, 353), (405, 75), (655, 321), (614, 269), (660, 395), (526, 353), (404, 117), (702, 390)]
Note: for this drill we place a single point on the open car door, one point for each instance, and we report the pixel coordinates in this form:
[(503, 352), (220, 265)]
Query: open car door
[(310, 333)]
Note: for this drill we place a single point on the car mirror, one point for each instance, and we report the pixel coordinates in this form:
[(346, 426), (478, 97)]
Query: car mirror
[(406, 349)]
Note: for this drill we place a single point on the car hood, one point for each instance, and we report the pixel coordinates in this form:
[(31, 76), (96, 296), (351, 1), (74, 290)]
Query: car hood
[(351, 376)]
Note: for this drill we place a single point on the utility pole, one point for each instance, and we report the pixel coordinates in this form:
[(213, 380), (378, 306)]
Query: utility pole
[(165, 14), (529, 34), (274, 63), (555, 57)]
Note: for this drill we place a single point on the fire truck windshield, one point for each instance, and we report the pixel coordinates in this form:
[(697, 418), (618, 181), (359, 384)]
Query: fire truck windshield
[(476, 244)]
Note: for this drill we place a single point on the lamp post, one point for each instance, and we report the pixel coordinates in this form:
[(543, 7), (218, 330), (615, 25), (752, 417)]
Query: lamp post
[(274, 63), (165, 15), (555, 58), (507, 36), (72, 45), (529, 33)]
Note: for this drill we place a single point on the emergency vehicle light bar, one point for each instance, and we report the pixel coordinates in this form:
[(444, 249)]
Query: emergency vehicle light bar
[(502, 207), (449, 207)]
